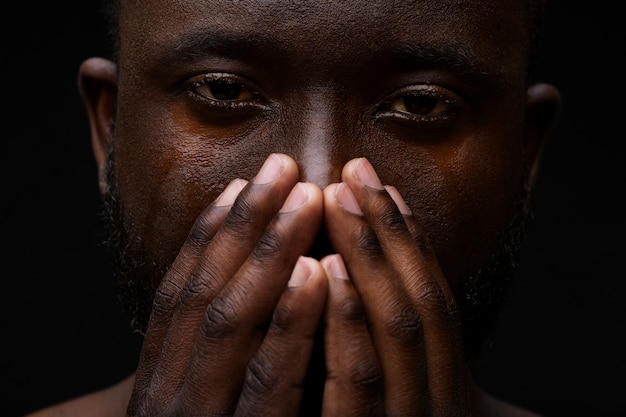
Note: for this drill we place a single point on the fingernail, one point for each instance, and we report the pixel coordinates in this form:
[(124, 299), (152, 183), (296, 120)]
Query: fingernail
[(301, 272), (230, 193), (397, 198), (336, 268), (270, 171), (346, 199), (296, 199), (364, 172)]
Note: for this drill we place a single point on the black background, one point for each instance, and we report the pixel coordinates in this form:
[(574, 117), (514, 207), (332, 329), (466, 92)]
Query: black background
[(559, 347)]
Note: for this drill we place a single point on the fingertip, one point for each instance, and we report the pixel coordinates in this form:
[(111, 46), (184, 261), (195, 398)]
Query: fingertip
[(230, 193), (298, 197), (344, 197), (397, 198), (335, 267), (314, 192), (304, 269), (349, 168), (289, 165), (365, 173)]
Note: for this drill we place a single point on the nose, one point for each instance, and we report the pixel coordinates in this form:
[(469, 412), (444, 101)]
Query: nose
[(321, 147)]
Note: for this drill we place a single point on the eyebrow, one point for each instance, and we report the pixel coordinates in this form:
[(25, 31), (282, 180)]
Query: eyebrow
[(195, 46), (198, 45), (454, 57)]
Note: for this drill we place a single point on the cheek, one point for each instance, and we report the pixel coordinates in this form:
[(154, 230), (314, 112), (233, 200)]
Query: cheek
[(464, 196), (167, 181)]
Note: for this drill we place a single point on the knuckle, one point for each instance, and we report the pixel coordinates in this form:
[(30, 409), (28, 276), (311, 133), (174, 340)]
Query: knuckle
[(432, 299), (405, 327), (431, 296), (165, 299), (366, 377), (422, 242), (202, 231), (351, 311), (198, 288), (221, 321), (240, 218), (268, 246), (282, 320), (259, 378), (369, 244), (392, 220)]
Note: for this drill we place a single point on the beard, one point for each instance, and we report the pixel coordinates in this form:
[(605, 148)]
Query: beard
[(480, 296)]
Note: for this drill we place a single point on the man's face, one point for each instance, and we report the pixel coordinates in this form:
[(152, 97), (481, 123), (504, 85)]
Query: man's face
[(424, 89)]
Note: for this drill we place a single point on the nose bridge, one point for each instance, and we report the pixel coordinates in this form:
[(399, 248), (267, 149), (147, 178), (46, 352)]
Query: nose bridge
[(321, 150)]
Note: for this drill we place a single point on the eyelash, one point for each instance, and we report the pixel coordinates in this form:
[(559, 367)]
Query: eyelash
[(440, 104), (252, 98), (421, 103)]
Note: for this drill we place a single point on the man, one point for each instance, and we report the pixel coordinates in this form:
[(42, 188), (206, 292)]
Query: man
[(315, 206)]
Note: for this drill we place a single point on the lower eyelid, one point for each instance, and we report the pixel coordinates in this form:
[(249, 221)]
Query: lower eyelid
[(206, 80), (223, 104), (440, 107), (251, 99)]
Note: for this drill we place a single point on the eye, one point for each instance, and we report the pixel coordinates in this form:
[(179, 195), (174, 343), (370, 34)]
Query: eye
[(224, 91), (424, 103)]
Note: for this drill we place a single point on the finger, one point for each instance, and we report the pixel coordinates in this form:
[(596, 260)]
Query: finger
[(444, 344), (198, 283), (419, 236), (167, 294), (422, 245), (236, 319), (418, 273), (274, 378), (224, 254), (394, 324), (354, 380)]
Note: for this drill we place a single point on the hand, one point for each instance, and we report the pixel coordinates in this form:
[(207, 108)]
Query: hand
[(228, 334), (392, 328)]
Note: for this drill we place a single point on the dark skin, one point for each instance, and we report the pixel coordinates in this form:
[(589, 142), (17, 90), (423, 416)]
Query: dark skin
[(397, 146)]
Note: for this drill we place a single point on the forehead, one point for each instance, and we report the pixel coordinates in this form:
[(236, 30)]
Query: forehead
[(332, 31)]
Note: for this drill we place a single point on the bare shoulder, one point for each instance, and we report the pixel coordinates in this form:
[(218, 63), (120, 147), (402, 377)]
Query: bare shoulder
[(109, 402), (494, 407)]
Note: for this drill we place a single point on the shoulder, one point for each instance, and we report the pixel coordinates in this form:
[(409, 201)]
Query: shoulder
[(109, 402), (494, 407)]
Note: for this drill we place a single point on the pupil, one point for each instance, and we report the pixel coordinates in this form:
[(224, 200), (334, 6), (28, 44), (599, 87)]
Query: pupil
[(419, 104), (225, 90)]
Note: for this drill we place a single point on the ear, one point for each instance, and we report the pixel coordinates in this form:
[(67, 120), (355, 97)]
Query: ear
[(97, 84), (543, 104)]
